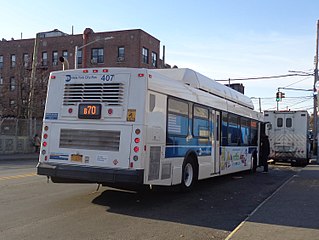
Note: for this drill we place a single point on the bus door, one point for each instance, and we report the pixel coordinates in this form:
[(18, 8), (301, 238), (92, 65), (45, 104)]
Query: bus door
[(216, 141)]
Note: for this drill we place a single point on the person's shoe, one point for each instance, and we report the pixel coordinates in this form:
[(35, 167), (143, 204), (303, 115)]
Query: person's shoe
[(264, 171)]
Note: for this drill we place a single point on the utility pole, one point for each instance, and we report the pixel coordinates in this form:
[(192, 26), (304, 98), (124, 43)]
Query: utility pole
[(315, 97), (33, 78)]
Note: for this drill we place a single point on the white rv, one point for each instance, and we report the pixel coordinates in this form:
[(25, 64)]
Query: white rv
[(288, 136)]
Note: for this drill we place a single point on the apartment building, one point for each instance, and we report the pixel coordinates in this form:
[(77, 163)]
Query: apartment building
[(25, 64)]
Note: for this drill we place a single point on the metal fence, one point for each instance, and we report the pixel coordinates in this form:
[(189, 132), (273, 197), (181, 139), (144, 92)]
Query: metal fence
[(16, 135)]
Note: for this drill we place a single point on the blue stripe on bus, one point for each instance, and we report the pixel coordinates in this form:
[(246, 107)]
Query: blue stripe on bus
[(180, 151)]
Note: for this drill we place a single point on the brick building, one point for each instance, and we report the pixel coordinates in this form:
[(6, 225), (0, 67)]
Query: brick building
[(25, 64)]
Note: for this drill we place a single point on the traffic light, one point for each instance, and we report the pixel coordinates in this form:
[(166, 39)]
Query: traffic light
[(279, 96)]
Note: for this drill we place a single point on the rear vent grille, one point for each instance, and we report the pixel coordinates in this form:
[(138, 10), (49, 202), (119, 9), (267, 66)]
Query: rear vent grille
[(154, 167), (90, 139), (109, 93)]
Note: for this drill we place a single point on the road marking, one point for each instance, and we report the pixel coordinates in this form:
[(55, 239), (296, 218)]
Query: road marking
[(18, 176), (229, 237)]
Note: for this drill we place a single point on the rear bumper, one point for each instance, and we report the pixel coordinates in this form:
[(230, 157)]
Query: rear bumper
[(62, 173)]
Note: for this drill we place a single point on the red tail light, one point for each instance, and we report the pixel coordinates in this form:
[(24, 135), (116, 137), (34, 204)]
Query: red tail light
[(136, 149)]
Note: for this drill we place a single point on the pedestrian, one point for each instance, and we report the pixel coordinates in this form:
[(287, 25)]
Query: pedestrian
[(37, 143), (264, 152)]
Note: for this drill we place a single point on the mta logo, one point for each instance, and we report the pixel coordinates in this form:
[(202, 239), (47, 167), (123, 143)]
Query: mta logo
[(68, 78)]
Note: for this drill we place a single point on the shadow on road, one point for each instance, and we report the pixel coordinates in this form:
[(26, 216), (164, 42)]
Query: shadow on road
[(219, 203)]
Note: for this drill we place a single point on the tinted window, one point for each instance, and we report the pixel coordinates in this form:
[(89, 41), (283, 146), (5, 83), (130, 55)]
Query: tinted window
[(177, 106), (279, 122), (201, 123), (177, 118), (288, 122)]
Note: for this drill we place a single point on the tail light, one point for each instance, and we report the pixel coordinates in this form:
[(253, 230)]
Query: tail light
[(45, 143), (136, 149)]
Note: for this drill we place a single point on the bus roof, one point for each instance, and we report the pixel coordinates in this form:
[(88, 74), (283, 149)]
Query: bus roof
[(201, 82)]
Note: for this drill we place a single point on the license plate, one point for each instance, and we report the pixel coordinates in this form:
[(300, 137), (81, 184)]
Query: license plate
[(76, 158)]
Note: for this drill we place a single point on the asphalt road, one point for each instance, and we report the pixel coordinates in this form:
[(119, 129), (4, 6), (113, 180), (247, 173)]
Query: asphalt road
[(31, 208)]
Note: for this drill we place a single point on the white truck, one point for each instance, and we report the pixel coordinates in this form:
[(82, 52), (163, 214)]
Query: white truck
[(288, 136)]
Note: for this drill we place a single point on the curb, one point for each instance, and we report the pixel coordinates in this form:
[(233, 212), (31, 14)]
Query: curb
[(229, 237), (14, 157)]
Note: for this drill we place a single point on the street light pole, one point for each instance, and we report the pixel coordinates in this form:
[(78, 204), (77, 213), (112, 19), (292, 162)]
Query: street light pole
[(315, 99), (85, 45)]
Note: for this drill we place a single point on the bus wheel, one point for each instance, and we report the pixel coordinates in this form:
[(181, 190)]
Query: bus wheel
[(189, 174)]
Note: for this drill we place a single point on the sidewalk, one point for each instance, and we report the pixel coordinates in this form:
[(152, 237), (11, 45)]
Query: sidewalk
[(290, 213), (19, 156)]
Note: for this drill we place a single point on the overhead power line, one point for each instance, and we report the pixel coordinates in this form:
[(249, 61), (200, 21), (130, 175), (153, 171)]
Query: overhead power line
[(267, 77)]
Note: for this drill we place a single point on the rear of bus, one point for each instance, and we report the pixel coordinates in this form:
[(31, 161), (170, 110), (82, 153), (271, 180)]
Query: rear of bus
[(93, 126)]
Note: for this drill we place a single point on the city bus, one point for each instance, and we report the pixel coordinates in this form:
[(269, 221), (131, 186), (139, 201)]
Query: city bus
[(130, 126)]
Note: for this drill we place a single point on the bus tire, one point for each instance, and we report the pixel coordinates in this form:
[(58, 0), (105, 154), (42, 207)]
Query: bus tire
[(189, 174)]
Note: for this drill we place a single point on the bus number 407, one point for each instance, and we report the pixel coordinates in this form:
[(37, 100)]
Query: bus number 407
[(107, 78)]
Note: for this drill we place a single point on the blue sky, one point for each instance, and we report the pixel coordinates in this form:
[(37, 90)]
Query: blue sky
[(219, 38)]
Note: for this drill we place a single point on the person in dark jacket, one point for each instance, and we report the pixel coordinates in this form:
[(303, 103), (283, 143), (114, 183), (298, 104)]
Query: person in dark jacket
[(264, 152)]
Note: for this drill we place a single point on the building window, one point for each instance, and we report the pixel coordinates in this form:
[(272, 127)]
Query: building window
[(97, 55), (25, 60), (79, 56), (44, 59), (13, 60), (65, 54), (154, 59), (55, 58), (120, 54), (1, 61), (12, 103), (145, 55), (1, 80), (12, 84)]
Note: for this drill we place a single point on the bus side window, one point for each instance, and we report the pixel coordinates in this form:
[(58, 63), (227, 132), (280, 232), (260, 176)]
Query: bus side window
[(177, 117), (245, 131), (224, 130), (201, 126), (234, 134)]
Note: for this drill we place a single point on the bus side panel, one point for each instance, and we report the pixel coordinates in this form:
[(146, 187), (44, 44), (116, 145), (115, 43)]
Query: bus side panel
[(158, 170)]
